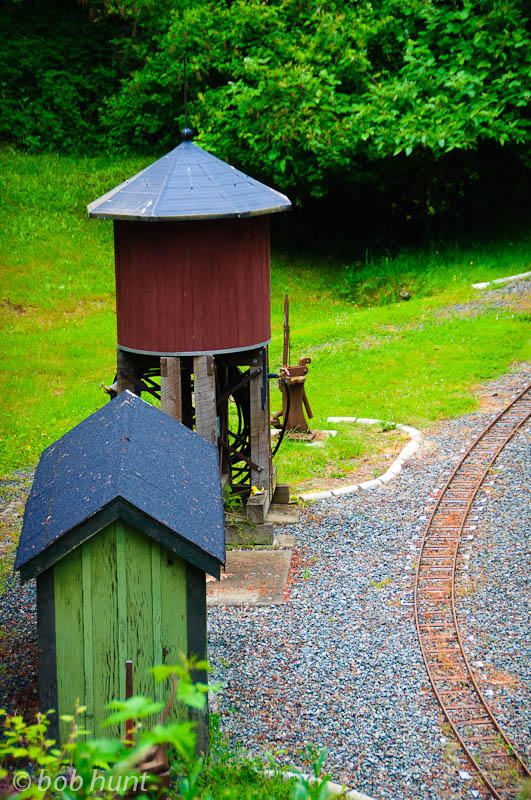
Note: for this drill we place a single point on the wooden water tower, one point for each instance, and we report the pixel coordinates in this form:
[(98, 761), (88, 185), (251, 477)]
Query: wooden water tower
[(191, 237)]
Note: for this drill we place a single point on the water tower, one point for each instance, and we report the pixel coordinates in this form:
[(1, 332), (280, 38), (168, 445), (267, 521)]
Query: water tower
[(191, 238)]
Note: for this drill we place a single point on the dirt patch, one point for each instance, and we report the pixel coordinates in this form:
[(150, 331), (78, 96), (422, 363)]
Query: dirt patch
[(495, 395), (15, 308)]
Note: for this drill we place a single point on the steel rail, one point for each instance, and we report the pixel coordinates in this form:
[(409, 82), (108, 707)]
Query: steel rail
[(452, 533)]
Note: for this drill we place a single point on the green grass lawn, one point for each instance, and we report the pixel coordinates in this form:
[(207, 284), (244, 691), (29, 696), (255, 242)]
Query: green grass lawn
[(408, 362)]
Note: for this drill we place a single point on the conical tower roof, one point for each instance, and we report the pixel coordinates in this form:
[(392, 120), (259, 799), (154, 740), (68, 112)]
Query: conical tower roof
[(187, 184)]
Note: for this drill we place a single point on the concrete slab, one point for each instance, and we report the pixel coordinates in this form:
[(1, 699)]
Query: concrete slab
[(243, 534), (251, 578)]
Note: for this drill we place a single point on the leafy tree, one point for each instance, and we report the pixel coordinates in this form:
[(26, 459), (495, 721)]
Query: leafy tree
[(305, 93)]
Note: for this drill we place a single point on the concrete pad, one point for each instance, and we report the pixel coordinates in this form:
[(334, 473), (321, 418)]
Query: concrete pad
[(251, 578), (283, 514)]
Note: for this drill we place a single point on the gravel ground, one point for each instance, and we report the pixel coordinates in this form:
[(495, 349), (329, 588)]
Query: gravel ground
[(339, 664), (18, 636), (18, 648)]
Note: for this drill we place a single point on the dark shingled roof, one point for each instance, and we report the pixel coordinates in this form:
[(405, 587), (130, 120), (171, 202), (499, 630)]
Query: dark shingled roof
[(188, 183), (131, 451)]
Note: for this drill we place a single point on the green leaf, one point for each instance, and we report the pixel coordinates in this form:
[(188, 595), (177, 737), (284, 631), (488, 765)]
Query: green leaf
[(136, 707), (191, 695)]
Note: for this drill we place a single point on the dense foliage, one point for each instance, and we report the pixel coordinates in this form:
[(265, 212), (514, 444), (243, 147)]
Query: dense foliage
[(304, 91), (400, 96)]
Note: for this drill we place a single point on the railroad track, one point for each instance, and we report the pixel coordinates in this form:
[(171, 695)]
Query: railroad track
[(488, 748)]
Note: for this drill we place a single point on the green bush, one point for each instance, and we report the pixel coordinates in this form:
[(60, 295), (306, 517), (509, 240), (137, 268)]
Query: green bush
[(309, 93), (382, 99)]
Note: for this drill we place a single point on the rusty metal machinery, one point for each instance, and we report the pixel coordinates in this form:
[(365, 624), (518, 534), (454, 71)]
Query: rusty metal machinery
[(292, 385)]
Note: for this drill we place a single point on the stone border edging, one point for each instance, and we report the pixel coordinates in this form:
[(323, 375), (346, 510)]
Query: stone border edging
[(333, 788), (501, 280), (407, 451)]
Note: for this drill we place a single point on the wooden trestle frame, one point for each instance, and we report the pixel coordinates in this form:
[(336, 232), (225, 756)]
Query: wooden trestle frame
[(197, 391)]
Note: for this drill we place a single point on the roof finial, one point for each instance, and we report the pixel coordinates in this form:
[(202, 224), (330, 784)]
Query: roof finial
[(186, 134)]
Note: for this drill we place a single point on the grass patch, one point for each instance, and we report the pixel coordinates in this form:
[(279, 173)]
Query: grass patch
[(411, 362), (358, 453), (225, 767)]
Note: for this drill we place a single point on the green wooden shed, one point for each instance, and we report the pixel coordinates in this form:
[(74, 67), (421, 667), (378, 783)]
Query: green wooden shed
[(124, 519)]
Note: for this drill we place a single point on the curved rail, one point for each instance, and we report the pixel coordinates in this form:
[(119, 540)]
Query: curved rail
[(486, 745)]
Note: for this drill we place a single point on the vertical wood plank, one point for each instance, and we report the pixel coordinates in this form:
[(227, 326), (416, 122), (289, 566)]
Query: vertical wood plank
[(170, 387), (125, 372), (121, 591), (205, 398), (88, 639), (102, 550), (69, 634), (260, 434), (48, 698), (196, 615), (174, 616), (140, 609), (156, 588)]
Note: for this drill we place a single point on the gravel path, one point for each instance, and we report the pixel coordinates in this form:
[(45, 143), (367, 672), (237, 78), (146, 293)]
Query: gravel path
[(339, 665)]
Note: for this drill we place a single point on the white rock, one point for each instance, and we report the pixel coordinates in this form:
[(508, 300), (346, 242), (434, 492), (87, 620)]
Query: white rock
[(370, 484), (316, 496), (464, 775), (345, 490)]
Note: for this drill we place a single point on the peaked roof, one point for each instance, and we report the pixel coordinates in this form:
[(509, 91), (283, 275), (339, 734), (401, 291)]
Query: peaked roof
[(187, 184), (128, 460)]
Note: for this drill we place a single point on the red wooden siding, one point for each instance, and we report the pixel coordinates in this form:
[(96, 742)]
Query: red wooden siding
[(192, 287)]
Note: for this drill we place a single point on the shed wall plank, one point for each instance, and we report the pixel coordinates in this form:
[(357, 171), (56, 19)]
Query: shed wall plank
[(69, 638), (197, 642), (102, 550), (156, 593), (47, 655), (121, 562), (140, 610), (174, 621)]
